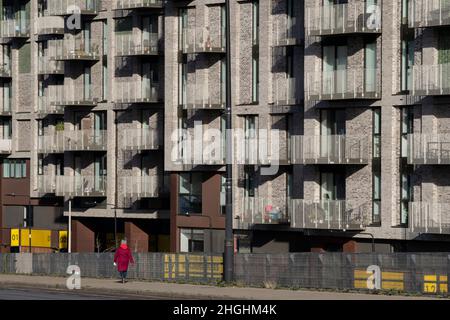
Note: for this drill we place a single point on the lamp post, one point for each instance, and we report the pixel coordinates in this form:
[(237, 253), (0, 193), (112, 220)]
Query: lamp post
[(28, 218), (210, 241)]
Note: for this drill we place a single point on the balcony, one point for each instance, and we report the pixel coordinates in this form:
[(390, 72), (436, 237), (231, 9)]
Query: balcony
[(81, 186), (359, 83), (85, 140), (428, 13), (46, 185), (203, 94), (69, 7), (340, 215), (46, 26), (48, 104), (346, 18), (201, 153), (207, 41), (262, 151), (5, 100), (262, 211), (140, 186), (429, 149), (333, 149), (141, 139), (431, 80), (287, 33), (75, 49), (51, 143), (137, 4), (5, 70), (429, 217), (47, 66), (288, 91), (128, 91), (137, 44), (5, 146), (15, 28), (76, 95)]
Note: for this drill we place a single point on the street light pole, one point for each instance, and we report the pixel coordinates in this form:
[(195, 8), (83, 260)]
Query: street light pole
[(229, 241)]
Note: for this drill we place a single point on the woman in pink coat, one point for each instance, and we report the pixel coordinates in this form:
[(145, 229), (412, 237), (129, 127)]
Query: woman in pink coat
[(122, 258)]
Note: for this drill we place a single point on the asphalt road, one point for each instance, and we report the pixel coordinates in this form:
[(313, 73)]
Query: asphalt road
[(24, 293)]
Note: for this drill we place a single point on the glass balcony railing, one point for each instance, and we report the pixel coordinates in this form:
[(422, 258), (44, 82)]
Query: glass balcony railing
[(128, 91), (263, 150), (330, 215), (48, 103), (201, 92), (76, 95), (141, 139), (69, 7), (358, 83), (5, 146), (85, 140), (429, 217), (431, 80), (210, 39), (48, 66), (137, 44), (81, 186), (15, 28), (46, 184), (288, 91), (200, 153), (287, 32), (428, 13), (50, 25), (332, 149), (74, 48), (265, 211), (137, 4), (429, 149), (5, 70), (51, 143), (346, 18), (141, 186)]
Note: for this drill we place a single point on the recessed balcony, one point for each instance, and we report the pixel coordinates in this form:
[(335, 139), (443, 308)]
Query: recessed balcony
[(15, 28), (138, 4), (137, 44), (429, 217), (202, 93), (81, 186), (85, 140), (47, 66), (74, 49), (341, 215), (431, 80), (46, 185), (70, 7), (428, 13), (139, 187), (330, 149), (141, 139), (48, 104), (209, 40), (356, 17), (288, 91), (287, 33), (128, 91), (264, 211), (262, 151), (346, 84), (201, 153), (429, 149), (49, 26), (76, 95), (51, 143)]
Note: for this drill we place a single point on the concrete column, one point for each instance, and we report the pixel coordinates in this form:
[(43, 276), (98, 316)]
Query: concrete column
[(83, 238), (137, 238)]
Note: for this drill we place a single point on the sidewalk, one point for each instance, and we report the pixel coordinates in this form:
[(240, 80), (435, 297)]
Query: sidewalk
[(187, 291)]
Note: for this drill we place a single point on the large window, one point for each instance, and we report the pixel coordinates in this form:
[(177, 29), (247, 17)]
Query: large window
[(376, 196), (255, 54), (377, 133), (190, 193), (14, 168), (407, 127), (371, 66), (407, 62), (191, 240)]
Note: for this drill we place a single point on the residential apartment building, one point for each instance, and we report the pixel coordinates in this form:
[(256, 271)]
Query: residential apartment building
[(113, 112)]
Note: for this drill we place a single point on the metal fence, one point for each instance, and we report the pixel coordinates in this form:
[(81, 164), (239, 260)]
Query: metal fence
[(425, 273)]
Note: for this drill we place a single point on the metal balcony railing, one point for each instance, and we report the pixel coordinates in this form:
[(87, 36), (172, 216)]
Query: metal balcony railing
[(430, 80), (141, 139), (141, 186), (137, 4), (265, 211), (137, 44), (74, 48), (51, 143), (204, 41), (332, 149), (76, 95), (288, 91), (330, 215), (346, 18), (129, 91), (46, 184), (48, 66), (358, 83), (432, 149), (428, 13), (50, 25), (202, 93), (429, 217), (81, 186), (85, 140), (5, 146), (15, 28), (69, 7), (287, 32)]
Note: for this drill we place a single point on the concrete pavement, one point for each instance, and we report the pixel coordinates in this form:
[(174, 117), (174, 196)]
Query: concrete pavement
[(185, 291)]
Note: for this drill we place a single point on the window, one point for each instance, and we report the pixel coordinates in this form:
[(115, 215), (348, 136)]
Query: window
[(223, 194), (371, 67), (6, 125), (407, 62), (255, 54), (377, 133), (406, 196), (183, 24), (334, 69), (40, 166), (376, 197), (14, 168), (191, 240), (407, 129), (190, 193)]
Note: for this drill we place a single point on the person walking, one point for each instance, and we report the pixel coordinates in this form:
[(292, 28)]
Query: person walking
[(122, 258)]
